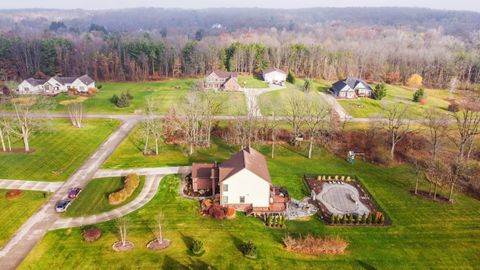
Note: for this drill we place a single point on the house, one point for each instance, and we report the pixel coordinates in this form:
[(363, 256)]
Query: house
[(351, 88), (222, 80), (242, 182), (31, 86), (55, 85), (275, 76), (83, 83)]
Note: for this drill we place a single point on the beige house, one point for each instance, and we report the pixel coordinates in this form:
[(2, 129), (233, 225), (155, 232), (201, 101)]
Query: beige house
[(222, 80)]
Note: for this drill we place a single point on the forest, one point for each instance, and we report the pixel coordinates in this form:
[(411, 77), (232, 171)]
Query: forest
[(321, 46)]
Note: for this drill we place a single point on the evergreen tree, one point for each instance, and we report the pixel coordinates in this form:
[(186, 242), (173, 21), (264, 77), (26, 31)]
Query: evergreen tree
[(350, 219), (418, 95), (379, 91), (332, 219), (291, 77), (364, 218)]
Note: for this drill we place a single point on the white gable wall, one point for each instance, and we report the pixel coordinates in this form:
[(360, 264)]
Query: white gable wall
[(245, 183), (58, 86), (26, 88), (274, 76), (81, 87)]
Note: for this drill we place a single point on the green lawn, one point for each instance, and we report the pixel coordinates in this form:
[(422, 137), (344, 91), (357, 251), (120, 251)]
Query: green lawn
[(275, 101), (167, 94), (58, 151), (94, 198), (366, 107), (424, 234), (251, 81), (15, 212)]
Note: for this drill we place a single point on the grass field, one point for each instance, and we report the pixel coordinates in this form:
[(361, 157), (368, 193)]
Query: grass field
[(424, 234), (14, 213), (275, 101), (165, 93), (94, 197), (251, 82), (367, 107), (58, 151)]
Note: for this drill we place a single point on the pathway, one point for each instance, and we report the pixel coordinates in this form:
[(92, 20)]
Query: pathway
[(143, 171), (33, 230), (150, 188), (332, 101), (251, 97), (30, 185)]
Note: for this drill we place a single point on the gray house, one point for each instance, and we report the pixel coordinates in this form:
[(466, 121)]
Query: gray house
[(351, 88)]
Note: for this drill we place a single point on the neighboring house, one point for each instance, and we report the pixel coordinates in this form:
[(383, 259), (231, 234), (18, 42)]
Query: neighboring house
[(222, 80), (83, 83), (31, 86), (275, 76), (242, 182), (351, 88), (55, 85)]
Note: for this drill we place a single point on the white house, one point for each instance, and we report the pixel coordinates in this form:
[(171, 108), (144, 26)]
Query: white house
[(275, 76), (55, 85), (31, 86), (351, 88), (83, 83)]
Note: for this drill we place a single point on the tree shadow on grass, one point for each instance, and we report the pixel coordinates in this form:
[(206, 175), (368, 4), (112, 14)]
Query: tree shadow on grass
[(199, 264), (171, 263), (187, 240), (365, 265), (237, 242)]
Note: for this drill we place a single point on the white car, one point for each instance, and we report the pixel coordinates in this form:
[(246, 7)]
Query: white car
[(62, 205)]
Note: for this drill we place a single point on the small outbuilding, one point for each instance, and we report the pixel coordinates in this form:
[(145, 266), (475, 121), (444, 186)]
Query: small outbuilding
[(275, 76)]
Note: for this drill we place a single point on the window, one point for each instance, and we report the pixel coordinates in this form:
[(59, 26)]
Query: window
[(225, 187), (225, 199), (242, 199)]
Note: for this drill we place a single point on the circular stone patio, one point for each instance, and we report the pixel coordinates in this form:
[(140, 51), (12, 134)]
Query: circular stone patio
[(341, 199)]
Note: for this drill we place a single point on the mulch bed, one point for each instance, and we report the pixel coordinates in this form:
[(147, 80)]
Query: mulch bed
[(17, 151), (13, 194), (158, 245), (426, 195), (119, 247)]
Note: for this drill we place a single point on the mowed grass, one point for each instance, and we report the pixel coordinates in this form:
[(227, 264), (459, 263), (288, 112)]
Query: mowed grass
[(250, 81), (166, 94), (276, 101), (130, 153), (58, 151), (94, 197), (424, 234), (367, 107), (13, 213)]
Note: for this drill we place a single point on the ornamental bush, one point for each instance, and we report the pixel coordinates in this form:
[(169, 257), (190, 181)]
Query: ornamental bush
[(364, 219), (332, 219), (350, 219), (130, 183), (92, 234), (249, 250), (197, 247)]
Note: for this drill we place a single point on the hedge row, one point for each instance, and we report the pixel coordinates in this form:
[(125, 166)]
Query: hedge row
[(130, 183)]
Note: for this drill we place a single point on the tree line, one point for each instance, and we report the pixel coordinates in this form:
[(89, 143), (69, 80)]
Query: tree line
[(388, 55)]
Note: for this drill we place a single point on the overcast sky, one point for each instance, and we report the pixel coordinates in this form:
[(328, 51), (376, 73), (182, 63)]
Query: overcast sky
[(473, 5)]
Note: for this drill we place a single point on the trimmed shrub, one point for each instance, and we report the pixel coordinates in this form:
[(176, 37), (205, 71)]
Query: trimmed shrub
[(197, 247), (344, 219), (130, 183), (418, 95), (315, 246), (13, 194), (382, 219), (337, 219), (92, 234), (332, 219), (230, 212), (350, 219), (454, 106), (372, 219), (270, 220), (364, 219), (216, 212), (291, 77), (357, 219), (249, 250)]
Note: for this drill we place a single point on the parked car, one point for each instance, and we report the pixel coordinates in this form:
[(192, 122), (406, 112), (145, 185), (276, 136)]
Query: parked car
[(73, 193), (62, 205)]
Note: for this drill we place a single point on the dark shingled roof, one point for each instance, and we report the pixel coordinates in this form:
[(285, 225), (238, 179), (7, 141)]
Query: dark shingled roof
[(86, 79), (351, 82), (249, 159), (35, 82), (64, 80), (224, 74)]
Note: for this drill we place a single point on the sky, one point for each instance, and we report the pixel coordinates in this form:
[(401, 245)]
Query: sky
[(472, 5)]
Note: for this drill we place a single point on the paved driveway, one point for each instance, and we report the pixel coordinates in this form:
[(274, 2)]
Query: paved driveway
[(30, 185)]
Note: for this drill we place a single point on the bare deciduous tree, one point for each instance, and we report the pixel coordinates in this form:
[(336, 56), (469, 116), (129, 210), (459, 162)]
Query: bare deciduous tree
[(122, 226), (75, 111), (25, 122), (294, 111), (437, 130), (315, 118), (468, 128), (396, 125), (152, 126)]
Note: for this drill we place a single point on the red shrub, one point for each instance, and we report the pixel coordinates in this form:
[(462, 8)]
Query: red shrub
[(13, 194), (216, 212), (92, 234)]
